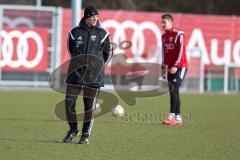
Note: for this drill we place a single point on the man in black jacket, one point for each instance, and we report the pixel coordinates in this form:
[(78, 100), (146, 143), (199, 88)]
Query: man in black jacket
[(90, 49)]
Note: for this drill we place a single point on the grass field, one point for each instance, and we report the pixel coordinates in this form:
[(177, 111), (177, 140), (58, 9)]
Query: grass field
[(29, 130)]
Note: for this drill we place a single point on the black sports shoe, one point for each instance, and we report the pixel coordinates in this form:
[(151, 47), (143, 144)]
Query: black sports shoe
[(83, 140), (70, 135)]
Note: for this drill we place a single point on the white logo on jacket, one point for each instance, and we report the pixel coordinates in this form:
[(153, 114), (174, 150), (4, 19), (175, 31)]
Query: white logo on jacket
[(93, 37)]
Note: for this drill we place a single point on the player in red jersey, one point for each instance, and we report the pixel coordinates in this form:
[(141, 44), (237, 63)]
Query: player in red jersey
[(174, 65)]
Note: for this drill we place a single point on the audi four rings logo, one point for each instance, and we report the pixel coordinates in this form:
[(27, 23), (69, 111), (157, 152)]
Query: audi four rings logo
[(137, 39), (22, 49)]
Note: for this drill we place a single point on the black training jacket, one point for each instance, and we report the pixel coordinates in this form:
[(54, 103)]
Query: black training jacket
[(90, 49)]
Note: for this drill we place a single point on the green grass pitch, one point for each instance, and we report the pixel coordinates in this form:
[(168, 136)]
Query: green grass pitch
[(29, 130)]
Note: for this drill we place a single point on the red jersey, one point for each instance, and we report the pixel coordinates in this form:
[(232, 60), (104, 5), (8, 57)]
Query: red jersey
[(174, 50)]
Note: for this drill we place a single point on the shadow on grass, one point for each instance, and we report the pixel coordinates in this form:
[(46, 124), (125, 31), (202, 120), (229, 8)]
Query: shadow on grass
[(33, 120), (33, 140)]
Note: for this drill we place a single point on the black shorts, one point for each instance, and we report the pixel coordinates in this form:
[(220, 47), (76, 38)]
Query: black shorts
[(177, 78)]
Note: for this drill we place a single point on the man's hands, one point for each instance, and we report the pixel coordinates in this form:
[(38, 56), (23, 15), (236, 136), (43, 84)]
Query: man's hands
[(173, 70), (165, 70)]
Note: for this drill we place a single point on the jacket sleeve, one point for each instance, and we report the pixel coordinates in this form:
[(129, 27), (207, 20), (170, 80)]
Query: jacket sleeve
[(71, 43), (107, 49), (162, 57), (180, 43)]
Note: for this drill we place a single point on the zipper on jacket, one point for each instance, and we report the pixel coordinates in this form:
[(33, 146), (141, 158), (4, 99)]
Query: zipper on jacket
[(87, 48), (86, 52)]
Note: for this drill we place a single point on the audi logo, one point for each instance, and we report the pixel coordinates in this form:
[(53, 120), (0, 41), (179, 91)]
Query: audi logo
[(21, 49), (137, 39)]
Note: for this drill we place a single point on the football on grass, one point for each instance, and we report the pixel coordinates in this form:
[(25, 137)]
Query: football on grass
[(118, 111)]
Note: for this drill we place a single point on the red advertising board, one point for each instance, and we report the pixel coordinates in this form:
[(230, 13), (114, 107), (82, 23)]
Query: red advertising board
[(24, 50), (216, 38)]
